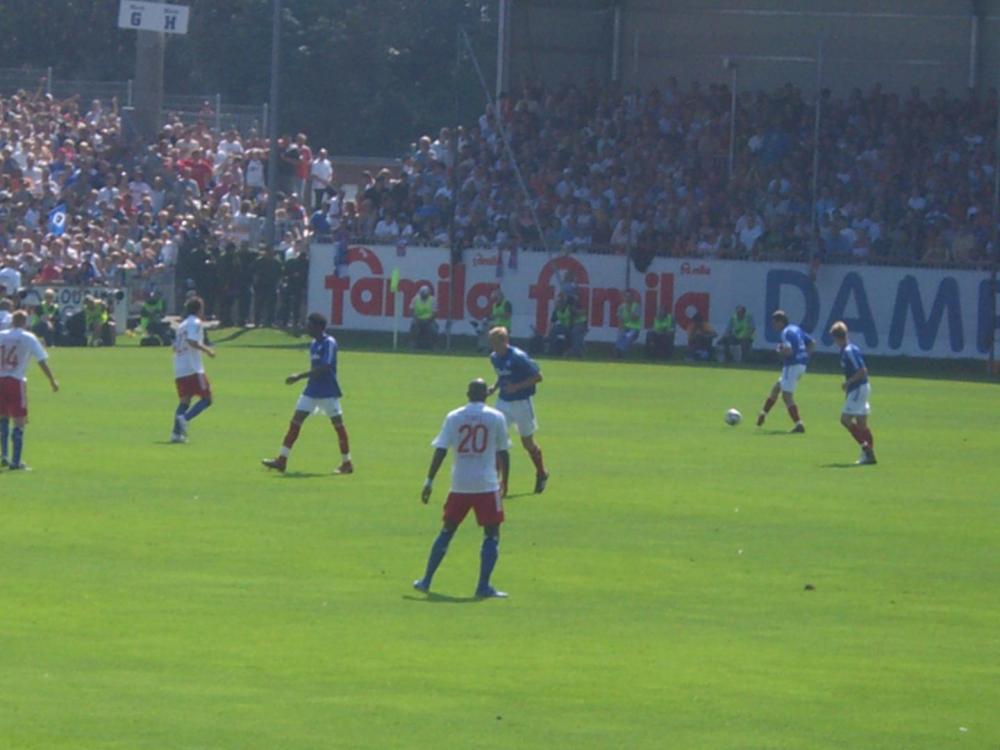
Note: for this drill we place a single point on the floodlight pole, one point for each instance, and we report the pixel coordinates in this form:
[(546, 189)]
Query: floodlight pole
[(272, 122), (730, 64), (995, 255), (816, 133), (503, 45)]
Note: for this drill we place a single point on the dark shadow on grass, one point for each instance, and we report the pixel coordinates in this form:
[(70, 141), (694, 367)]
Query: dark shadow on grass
[(237, 332), (841, 466), (771, 433), (432, 598), (519, 494), (166, 442), (303, 475)]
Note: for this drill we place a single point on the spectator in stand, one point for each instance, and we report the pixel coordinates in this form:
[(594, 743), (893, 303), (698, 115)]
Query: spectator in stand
[(303, 170), (266, 269), (700, 335), (321, 173)]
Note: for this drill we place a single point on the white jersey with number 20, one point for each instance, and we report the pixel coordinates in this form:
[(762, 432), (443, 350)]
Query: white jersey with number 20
[(17, 347), (476, 432)]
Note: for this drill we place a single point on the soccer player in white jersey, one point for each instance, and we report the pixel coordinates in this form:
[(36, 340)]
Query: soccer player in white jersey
[(17, 347), (857, 390), (478, 433), (189, 372)]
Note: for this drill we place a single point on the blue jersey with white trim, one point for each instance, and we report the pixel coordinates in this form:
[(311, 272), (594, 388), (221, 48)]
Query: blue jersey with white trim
[(799, 342), (513, 367), (852, 361), (323, 352)]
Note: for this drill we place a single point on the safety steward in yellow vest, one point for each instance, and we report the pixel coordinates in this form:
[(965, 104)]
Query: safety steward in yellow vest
[(423, 327), (629, 324), (737, 340), (660, 338)]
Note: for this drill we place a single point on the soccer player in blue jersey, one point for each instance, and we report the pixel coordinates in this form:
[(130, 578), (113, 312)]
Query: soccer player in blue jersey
[(517, 376), (795, 347), (321, 394), (857, 389)]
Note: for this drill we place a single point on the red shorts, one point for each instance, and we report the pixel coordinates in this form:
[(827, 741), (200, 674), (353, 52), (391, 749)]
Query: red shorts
[(13, 398), (488, 507), (194, 385)]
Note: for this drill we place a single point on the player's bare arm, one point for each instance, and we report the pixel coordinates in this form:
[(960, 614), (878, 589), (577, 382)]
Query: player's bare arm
[(436, 461), (202, 348), (857, 376), (315, 372), (48, 373), (521, 385), (503, 459)]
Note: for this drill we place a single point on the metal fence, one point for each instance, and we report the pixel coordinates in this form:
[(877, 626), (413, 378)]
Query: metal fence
[(189, 108)]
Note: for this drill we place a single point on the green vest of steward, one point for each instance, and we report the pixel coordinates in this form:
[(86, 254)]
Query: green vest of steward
[(96, 316), (152, 310), (663, 323), (579, 316), (628, 316), (564, 316), (500, 314), (44, 311), (742, 329), (423, 309)]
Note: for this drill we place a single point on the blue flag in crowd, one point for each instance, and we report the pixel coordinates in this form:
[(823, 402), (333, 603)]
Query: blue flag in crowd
[(57, 220)]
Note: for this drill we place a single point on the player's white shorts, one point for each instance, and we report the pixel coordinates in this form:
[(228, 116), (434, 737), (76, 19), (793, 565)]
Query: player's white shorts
[(520, 414), (856, 403), (310, 405), (790, 376)]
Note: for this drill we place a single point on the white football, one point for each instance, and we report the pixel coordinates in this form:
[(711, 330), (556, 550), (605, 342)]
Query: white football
[(733, 417)]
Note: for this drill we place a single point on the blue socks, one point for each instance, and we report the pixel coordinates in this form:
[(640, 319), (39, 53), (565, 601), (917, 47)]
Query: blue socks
[(178, 412), (189, 414), (487, 559), (18, 445), (438, 551), (198, 408), (4, 435)]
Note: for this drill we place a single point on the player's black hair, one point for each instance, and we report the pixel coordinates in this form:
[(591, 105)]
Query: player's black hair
[(780, 315), (193, 306), (317, 319)]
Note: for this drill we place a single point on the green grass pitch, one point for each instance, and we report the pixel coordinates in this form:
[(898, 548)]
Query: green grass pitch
[(181, 597)]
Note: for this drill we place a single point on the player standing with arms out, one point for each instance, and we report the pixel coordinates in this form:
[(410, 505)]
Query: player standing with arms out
[(17, 347), (478, 433), (322, 394), (857, 389), (795, 346), (189, 372), (517, 375)]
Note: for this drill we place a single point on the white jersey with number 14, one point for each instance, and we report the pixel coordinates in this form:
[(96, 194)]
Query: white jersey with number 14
[(17, 347), (476, 432)]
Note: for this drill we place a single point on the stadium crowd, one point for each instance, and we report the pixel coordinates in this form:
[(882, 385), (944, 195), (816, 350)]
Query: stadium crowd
[(79, 205), (903, 179)]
